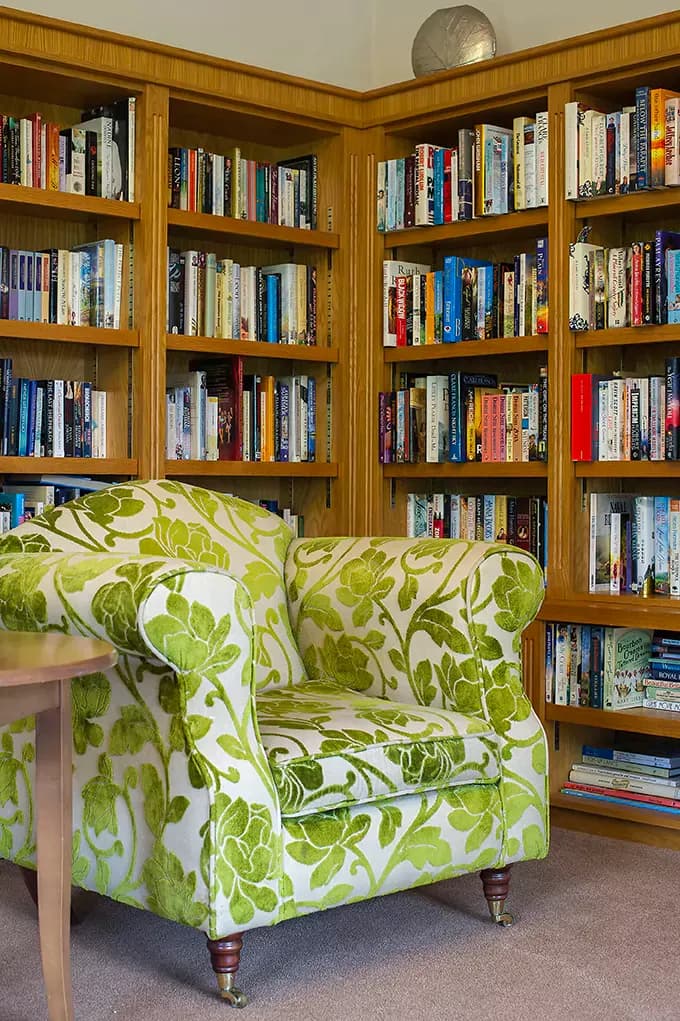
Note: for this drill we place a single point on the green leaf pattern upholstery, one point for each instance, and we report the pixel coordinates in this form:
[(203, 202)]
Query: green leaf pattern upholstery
[(221, 781)]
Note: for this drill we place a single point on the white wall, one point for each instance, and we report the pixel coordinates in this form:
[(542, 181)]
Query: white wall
[(518, 24), (360, 44), (327, 40)]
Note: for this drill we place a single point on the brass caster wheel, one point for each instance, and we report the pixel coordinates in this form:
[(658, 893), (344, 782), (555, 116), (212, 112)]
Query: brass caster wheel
[(235, 998), (504, 919)]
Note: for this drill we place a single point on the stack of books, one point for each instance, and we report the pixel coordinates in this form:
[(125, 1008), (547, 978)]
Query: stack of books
[(211, 297), (469, 299), (641, 772), (463, 417), (625, 150), (634, 544), (284, 193), (596, 666), (634, 285), (490, 171), (662, 688), (94, 157)]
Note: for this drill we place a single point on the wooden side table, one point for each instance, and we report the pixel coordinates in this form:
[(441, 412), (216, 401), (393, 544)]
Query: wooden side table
[(35, 675)]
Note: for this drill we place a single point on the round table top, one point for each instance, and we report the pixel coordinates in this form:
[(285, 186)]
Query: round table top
[(28, 657)]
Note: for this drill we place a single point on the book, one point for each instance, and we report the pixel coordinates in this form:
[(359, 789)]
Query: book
[(626, 666)]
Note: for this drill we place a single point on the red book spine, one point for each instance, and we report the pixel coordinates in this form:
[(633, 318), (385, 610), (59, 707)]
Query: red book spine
[(400, 317), (618, 792), (582, 416)]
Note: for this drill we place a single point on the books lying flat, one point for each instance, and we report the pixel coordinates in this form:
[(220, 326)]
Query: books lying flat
[(603, 776), (617, 800)]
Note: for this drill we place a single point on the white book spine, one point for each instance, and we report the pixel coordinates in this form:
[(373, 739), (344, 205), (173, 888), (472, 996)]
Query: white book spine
[(58, 419), (571, 149), (118, 287), (672, 144), (615, 554), (618, 287), (432, 420), (674, 546), (598, 153), (132, 107), (542, 166), (170, 427)]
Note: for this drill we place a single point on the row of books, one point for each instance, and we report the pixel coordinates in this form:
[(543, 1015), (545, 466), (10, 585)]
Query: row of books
[(216, 412), (600, 667), (496, 517), (284, 193), (213, 297), (634, 544), (296, 522), (620, 151), (469, 299), (634, 285), (50, 417), (639, 771), (82, 287), (626, 418), (463, 417), (492, 170), (28, 497), (94, 157)]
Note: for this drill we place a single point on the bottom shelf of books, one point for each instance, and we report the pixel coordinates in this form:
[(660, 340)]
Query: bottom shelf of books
[(612, 707)]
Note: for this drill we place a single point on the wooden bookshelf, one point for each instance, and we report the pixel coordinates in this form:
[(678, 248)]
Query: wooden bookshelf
[(467, 349), (219, 227), (189, 99), (252, 349)]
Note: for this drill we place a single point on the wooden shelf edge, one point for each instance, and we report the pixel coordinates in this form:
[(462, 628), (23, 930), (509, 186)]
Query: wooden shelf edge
[(467, 349), (252, 348), (614, 611), (527, 220), (627, 335), (252, 469), (632, 814), (626, 469), (636, 721), (53, 333), (251, 230), (467, 469), (61, 203), (634, 202), (68, 465)]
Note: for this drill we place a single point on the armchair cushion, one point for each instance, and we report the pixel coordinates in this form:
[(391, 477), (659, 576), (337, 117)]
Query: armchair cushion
[(330, 747)]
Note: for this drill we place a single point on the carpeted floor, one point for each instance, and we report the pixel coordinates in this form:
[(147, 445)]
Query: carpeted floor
[(596, 937)]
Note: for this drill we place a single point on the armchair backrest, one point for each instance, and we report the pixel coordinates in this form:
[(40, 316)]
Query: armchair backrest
[(172, 519)]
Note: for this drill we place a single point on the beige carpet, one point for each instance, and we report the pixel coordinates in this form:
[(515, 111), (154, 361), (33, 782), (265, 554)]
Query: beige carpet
[(596, 938)]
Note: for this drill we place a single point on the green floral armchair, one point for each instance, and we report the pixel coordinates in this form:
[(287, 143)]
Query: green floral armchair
[(292, 724)]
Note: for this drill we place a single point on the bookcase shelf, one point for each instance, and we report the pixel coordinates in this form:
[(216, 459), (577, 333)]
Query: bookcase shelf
[(15, 198), (485, 228), (252, 349), (250, 231), (627, 469), (635, 205), (637, 721), (252, 469), (68, 465), (467, 470), (628, 335), (467, 349), (51, 332), (627, 813), (612, 611)]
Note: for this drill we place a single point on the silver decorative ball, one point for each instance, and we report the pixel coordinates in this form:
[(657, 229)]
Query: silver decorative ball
[(451, 37)]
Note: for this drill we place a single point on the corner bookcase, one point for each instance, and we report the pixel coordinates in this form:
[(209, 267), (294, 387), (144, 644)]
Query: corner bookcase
[(186, 99)]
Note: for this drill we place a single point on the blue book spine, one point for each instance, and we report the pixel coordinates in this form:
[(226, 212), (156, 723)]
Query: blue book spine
[(273, 304), (438, 306), (23, 417), (542, 285), (284, 398), (400, 210), (15, 501), (663, 241), (87, 419), (438, 185), (32, 396), (642, 120), (588, 795), (585, 665), (311, 418), (451, 324), (260, 214)]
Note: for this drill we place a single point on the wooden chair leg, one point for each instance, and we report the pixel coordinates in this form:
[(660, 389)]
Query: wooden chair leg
[(225, 956), (496, 883), (30, 878)]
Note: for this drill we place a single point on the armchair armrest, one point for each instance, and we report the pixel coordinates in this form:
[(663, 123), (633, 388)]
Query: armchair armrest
[(198, 621)]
